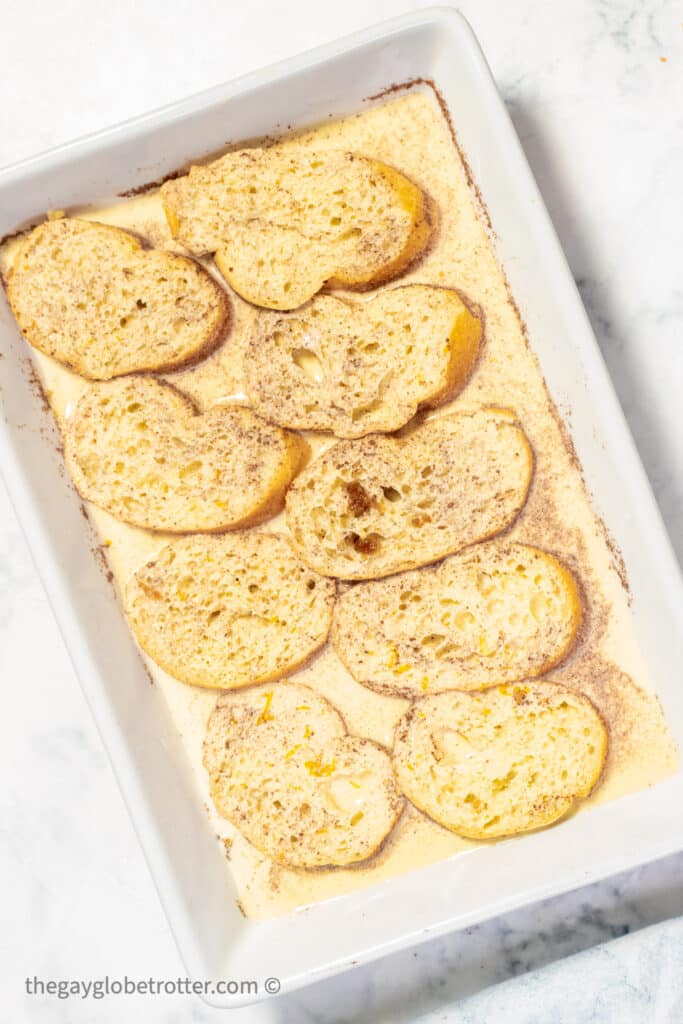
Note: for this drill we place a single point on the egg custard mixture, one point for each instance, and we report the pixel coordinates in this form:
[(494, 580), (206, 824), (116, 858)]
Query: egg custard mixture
[(410, 132)]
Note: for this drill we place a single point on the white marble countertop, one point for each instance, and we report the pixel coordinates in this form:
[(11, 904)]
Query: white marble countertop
[(594, 88)]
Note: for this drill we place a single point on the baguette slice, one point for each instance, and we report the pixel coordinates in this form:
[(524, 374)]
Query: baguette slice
[(284, 771), (139, 448), (497, 612), (379, 505), (231, 610), (503, 761), (357, 368), (91, 297), (282, 223)]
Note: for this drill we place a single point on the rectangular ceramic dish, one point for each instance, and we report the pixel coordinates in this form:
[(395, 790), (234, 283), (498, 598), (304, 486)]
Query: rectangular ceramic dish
[(191, 874)]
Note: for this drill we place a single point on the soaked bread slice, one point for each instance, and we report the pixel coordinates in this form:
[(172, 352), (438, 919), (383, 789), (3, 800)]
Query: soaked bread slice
[(284, 771), (91, 297), (502, 761), (379, 505), (495, 613), (283, 222), (230, 610), (139, 448), (356, 368)]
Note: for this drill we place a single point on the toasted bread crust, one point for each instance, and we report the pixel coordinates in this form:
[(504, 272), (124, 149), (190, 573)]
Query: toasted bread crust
[(497, 612), (284, 771), (140, 449), (229, 611), (91, 297), (502, 761), (282, 223), (373, 507), (421, 214), (356, 368)]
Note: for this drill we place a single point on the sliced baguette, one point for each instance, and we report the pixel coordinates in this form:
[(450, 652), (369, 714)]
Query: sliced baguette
[(503, 761), (91, 297), (284, 771), (282, 223), (357, 368), (379, 505), (231, 610), (139, 448), (496, 612)]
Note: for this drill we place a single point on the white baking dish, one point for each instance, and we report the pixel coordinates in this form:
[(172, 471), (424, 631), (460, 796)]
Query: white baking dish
[(189, 870)]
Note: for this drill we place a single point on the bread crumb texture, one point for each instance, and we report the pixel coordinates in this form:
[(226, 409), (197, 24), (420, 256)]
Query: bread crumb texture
[(507, 760), (355, 368), (497, 612), (91, 297), (282, 223), (378, 505), (231, 610), (139, 449), (285, 772)]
